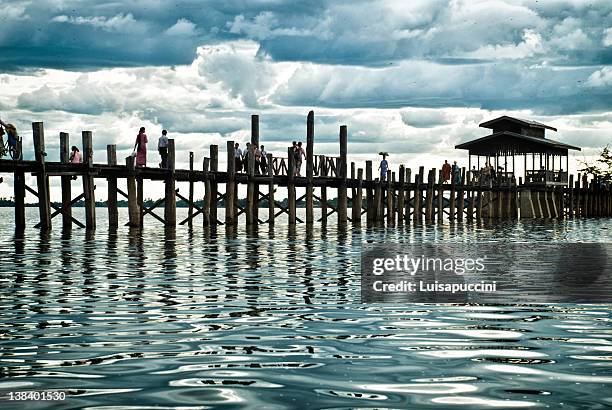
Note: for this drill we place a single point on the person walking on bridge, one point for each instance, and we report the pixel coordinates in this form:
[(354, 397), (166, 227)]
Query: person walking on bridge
[(446, 171), (140, 146), (162, 147)]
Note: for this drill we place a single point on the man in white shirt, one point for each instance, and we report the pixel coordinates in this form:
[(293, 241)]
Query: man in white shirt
[(162, 147), (237, 157)]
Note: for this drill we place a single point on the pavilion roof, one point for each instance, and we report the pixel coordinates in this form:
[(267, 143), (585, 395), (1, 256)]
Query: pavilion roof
[(504, 118), (510, 143)]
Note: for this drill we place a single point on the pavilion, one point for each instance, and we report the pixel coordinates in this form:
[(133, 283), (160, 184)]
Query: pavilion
[(544, 159)]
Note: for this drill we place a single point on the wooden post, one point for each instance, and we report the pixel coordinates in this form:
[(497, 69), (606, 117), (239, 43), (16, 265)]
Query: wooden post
[(140, 198), (214, 187), (429, 196), (250, 202), (309, 167), (400, 195), (440, 197), (19, 193), (230, 184), (407, 202), (255, 145), (342, 172), (418, 196), (470, 196), (42, 179), (170, 201), (460, 198), (66, 181), (371, 210), (291, 186), (357, 198), (88, 182), (479, 195), (508, 196), (378, 205), (323, 205), (207, 194), (453, 196), (390, 184), (133, 209), (190, 204), (271, 211), (111, 202), (355, 212)]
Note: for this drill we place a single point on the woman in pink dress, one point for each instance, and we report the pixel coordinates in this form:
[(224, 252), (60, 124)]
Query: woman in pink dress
[(141, 148)]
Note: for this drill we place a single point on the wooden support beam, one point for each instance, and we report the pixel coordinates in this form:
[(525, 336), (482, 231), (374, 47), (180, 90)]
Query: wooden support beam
[(400, 195), (58, 209), (214, 188), (19, 194), (342, 173), (461, 196), (207, 194), (570, 197), (42, 180), (270, 191), (407, 201), (133, 208), (140, 198), (309, 167), (440, 198), (370, 205), (479, 197), (88, 181), (66, 181), (190, 201), (378, 206), (230, 191), (323, 202), (111, 202), (250, 200), (389, 198), (429, 196), (418, 196), (471, 196), (291, 186), (170, 202), (357, 199), (452, 209), (255, 145)]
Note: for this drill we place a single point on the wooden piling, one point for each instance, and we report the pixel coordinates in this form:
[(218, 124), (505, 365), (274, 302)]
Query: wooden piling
[(207, 194), (19, 194), (309, 168), (323, 204), (357, 199), (170, 199), (400, 194), (88, 181), (111, 201), (460, 196), (342, 172), (370, 211), (480, 198), (389, 197), (378, 198), (66, 182), (291, 186), (407, 202), (429, 196), (255, 145), (230, 190), (190, 204), (418, 196), (214, 187), (440, 199), (133, 208), (271, 211), (452, 203), (355, 212), (42, 180), (471, 196), (250, 200)]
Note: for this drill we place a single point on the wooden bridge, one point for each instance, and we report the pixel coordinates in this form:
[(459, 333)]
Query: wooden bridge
[(404, 196)]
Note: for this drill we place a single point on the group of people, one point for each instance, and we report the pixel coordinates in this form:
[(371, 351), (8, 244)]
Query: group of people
[(451, 171), (241, 159)]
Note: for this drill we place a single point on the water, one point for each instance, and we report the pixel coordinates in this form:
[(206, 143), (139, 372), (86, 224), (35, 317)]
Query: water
[(180, 319)]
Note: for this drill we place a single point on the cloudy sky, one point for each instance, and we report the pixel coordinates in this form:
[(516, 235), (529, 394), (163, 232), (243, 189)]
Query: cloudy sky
[(410, 77)]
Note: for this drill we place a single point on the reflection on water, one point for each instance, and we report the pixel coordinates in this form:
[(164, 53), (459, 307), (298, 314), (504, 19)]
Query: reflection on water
[(242, 318)]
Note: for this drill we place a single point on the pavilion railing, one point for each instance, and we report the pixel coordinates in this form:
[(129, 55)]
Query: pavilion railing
[(543, 176)]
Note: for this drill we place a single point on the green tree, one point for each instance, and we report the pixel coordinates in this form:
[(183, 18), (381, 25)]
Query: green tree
[(601, 168)]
